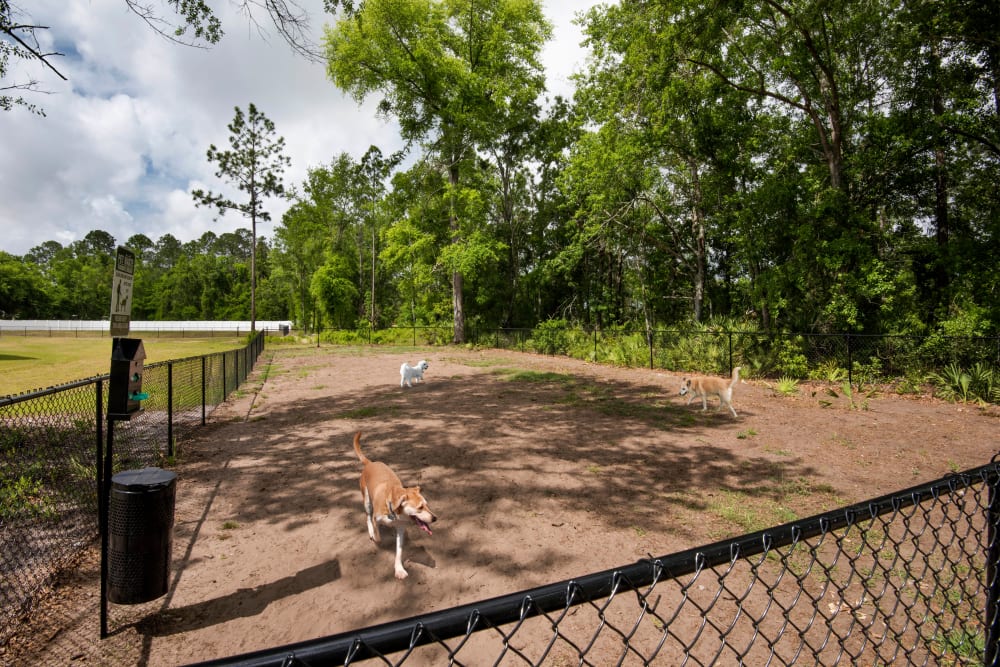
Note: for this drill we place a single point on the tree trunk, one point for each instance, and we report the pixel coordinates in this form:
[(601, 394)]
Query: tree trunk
[(942, 222), (698, 224), (253, 271), (457, 281)]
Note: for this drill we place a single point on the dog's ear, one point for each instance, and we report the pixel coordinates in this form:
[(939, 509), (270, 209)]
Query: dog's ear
[(398, 501)]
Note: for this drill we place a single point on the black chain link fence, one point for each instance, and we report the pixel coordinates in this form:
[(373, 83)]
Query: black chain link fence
[(856, 359), (49, 441), (908, 578)]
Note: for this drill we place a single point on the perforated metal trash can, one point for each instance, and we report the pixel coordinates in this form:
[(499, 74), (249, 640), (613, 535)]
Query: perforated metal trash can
[(140, 534)]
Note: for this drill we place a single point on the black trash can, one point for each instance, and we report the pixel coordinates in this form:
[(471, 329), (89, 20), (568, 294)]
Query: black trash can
[(284, 329), (140, 532)]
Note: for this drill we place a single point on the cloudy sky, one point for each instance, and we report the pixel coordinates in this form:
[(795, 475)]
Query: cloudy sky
[(123, 141)]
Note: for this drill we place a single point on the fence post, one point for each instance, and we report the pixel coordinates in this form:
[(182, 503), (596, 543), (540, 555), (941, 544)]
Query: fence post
[(170, 408), (731, 362), (204, 362), (99, 416), (649, 339), (850, 362), (992, 611)]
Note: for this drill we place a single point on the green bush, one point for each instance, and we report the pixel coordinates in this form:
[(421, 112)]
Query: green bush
[(979, 385), (550, 337), (623, 349)]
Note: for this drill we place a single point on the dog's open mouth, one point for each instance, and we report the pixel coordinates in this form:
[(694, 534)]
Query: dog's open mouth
[(423, 526)]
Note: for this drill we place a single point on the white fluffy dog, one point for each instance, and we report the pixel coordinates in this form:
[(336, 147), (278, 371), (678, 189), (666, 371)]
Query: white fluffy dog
[(408, 373)]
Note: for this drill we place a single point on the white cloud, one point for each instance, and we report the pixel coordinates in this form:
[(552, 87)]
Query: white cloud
[(124, 141)]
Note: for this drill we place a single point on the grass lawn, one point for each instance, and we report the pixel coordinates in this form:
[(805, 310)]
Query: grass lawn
[(28, 363)]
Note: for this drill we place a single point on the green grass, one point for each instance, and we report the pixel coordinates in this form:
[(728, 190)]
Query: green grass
[(28, 363)]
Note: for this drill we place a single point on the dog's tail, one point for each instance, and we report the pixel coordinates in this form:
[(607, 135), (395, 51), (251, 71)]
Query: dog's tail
[(357, 448), (736, 377)]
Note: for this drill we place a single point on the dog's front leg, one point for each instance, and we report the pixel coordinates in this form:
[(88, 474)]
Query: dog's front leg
[(373, 533), (400, 535)]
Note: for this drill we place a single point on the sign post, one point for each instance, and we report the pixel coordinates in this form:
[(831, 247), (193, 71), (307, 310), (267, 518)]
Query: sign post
[(121, 318), (121, 292)]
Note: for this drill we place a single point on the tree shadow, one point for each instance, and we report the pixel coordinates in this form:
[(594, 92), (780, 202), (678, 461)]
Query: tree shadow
[(470, 442), (241, 603)]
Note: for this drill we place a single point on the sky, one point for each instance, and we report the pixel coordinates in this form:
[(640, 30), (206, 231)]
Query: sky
[(124, 140)]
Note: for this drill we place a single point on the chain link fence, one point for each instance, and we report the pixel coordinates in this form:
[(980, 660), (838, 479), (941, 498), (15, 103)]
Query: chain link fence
[(49, 443), (908, 578), (967, 367)]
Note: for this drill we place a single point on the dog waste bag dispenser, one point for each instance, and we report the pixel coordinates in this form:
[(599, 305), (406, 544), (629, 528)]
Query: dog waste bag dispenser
[(140, 528), (125, 381)]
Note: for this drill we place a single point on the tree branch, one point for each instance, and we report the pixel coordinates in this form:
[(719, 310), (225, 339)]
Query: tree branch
[(33, 51)]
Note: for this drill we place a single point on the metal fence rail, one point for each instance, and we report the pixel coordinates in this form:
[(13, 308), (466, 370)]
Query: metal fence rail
[(908, 578), (49, 441)]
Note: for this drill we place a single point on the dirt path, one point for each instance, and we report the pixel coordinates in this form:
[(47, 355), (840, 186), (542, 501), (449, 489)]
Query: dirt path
[(539, 469)]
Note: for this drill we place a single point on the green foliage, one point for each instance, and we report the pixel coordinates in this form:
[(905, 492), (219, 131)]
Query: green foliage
[(779, 355), (980, 384), (706, 170), (857, 398), (787, 386), (958, 339), (23, 498), (828, 371), (623, 349), (699, 349), (960, 646), (911, 383), (333, 288), (550, 337)]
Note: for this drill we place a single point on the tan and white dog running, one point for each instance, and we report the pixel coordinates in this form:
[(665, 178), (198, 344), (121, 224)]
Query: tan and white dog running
[(711, 386), (389, 503)]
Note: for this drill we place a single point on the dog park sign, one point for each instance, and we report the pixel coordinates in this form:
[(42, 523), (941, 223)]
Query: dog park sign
[(121, 292)]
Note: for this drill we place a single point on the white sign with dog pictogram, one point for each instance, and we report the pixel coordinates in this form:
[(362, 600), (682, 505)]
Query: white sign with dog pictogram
[(121, 292)]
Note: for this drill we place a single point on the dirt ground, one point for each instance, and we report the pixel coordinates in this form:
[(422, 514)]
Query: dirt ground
[(539, 469)]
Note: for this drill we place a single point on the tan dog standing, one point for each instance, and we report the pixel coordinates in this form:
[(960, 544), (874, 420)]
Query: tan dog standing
[(388, 502), (705, 386)]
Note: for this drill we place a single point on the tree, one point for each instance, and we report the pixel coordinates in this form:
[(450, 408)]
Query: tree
[(449, 71), (23, 290), (372, 172), (195, 25), (18, 42), (254, 164)]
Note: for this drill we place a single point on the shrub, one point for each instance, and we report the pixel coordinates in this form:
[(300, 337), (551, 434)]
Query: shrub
[(976, 385), (550, 337)]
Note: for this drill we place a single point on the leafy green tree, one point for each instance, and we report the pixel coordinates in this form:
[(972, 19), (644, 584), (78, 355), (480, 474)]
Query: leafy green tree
[(412, 244), (23, 289), (333, 287), (370, 179), (44, 254), (81, 281), (140, 244), (254, 164), (328, 219), (447, 70)]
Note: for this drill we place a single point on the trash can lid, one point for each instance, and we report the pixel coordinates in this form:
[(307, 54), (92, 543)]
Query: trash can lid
[(145, 478)]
